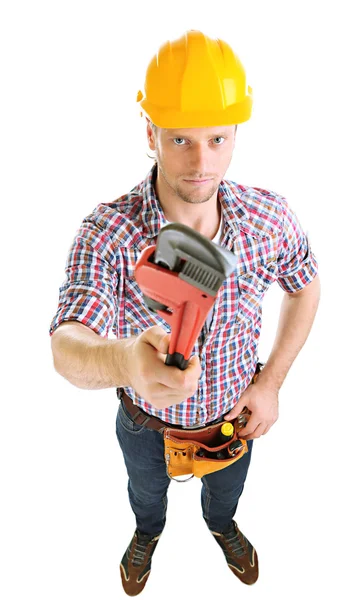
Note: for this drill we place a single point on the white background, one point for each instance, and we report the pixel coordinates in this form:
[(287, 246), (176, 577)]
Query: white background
[(71, 137)]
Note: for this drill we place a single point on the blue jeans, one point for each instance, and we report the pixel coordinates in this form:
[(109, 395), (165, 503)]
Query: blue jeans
[(143, 452)]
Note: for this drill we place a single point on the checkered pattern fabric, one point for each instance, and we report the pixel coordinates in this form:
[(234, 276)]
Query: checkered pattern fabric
[(100, 290)]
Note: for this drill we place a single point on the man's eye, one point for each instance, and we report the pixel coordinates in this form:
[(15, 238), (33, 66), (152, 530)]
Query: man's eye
[(219, 138), (180, 140)]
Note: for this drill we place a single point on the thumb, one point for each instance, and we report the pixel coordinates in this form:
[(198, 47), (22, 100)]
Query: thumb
[(236, 410), (194, 363), (194, 360), (158, 338)]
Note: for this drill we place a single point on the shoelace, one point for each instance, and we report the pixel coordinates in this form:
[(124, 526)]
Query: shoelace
[(140, 549), (234, 539)]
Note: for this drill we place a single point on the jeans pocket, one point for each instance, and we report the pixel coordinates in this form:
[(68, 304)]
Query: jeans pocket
[(125, 420)]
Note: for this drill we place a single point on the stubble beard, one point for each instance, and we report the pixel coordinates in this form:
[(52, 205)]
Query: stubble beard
[(190, 199), (185, 196)]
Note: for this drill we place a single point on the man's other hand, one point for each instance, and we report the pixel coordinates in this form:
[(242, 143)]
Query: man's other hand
[(262, 401)]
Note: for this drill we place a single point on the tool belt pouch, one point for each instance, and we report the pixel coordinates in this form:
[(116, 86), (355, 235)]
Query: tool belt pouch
[(181, 448)]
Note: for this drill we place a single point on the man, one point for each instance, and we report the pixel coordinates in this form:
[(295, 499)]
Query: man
[(195, 96)]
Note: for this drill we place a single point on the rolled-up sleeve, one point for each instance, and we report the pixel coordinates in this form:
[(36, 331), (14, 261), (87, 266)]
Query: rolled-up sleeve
[(297, 264), (89, 292)]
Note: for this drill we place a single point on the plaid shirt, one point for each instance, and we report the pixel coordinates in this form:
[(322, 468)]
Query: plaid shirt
[(100, 290)]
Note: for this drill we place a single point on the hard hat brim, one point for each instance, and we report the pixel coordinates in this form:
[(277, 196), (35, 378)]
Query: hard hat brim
[(175, 119)]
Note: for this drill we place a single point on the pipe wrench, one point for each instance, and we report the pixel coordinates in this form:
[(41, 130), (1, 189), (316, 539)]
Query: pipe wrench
[(180, 278)]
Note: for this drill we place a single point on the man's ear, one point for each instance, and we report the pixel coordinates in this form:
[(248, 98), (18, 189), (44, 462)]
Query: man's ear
[(150, 135)]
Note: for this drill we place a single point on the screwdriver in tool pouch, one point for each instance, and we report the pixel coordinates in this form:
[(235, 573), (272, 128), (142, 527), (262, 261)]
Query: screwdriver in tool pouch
[(225, 434)]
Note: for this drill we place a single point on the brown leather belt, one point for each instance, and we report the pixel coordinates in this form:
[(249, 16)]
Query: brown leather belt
[(140, 417)]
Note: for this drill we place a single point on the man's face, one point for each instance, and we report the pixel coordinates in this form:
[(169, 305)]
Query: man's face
[(185, 156)]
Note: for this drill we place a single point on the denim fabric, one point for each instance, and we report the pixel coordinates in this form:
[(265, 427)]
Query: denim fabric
[(221, 491), (143, 453)]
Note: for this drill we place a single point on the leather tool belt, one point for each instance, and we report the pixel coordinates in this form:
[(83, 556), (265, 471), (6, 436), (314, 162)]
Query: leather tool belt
[(193, 450)]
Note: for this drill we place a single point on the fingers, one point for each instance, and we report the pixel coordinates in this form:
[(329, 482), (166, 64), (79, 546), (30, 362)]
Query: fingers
[(254, 429), (194, 366), (164, 395), (158, 338), (234, 412), (252, 424), (256, 433), (161, 384), (175, 378), (171, 386)]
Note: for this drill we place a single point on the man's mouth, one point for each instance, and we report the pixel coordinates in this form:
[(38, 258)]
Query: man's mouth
[(197, 181)]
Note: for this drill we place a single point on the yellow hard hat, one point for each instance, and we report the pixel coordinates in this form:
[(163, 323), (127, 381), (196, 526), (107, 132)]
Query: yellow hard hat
[(195, 81)]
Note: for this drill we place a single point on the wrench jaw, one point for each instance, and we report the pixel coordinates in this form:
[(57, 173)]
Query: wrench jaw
[(177, 241), (153, 305)]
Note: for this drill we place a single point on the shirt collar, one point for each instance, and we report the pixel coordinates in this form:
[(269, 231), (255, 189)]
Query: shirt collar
[(152, 213), (233, 210)]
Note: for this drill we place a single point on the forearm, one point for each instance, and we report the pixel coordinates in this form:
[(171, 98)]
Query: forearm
[(87, 360), (296, 318)]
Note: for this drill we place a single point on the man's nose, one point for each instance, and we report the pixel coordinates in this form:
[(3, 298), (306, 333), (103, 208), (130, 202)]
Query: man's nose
[(199, 159)]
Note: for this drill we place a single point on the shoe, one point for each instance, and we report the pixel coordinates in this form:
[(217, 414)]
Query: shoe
[(240, 554), (136, 562)]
